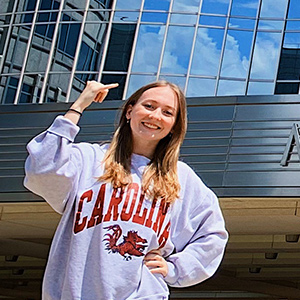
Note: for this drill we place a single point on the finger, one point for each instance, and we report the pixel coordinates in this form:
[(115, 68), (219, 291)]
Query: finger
[(156, 270), (154, 264), (151, 256), (153, 253), (161, 271), (100, 96), (110, 86)]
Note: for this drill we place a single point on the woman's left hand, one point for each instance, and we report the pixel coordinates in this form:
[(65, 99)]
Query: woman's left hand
[(156, 263)]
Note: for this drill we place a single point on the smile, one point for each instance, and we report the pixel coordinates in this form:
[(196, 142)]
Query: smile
[(151, 126)]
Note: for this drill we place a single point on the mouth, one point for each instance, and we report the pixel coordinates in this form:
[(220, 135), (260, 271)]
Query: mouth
[(150, 126)]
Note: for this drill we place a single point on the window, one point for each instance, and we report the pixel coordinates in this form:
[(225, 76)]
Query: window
[(119, 49)]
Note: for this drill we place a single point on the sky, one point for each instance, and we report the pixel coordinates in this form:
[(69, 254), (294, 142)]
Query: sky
[(208, 44)]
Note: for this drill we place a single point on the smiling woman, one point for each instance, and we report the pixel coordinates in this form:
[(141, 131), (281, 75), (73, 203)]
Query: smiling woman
[(152, 119), (134, 218)]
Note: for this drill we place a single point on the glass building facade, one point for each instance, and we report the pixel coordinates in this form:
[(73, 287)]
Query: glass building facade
[(50, 48)]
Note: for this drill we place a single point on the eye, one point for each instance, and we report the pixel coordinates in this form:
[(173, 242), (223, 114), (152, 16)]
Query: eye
[(168, 113), (148, 105)]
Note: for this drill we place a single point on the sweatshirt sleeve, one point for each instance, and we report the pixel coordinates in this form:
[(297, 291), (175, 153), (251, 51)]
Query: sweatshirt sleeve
[(53, 165), (199, 236)]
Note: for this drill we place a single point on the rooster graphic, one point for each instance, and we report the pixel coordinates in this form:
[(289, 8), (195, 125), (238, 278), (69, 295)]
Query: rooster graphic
[(132, 243)]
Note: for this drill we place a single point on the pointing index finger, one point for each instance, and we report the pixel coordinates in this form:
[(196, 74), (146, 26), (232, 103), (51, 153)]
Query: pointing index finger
[(110, 86)]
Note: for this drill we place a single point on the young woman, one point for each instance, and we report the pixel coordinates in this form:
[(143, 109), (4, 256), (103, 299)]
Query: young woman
[(134, 218)]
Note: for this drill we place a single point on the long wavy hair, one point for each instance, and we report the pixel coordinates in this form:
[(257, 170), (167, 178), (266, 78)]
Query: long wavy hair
[(160, 178)]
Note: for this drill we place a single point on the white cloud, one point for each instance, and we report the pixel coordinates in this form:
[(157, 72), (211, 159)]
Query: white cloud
[(234, 64), (273, 8), (250, 4), (178, 49), (148, 49), (206, 54), (265, 58), (186, 5)]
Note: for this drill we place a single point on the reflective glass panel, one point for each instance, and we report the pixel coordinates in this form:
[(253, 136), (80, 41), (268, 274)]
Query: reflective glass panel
[(28, 90), (101, 4), (247, 8), (89, 58), (154, 17), (96, 30), (8, 89), (241, 23), (17, 48), (289, 65), (146, 58), (30, 6), (207, 51), (212, 20), (57, 88), (88, 75), (231, 88), (178, 49), (294, 9), (270, 25), (137, 81), (287, 88), (183, 19), (5, 7), (72, 4), (186, 5), (292, 40), (119, 48), (126, 4), (200, 87), (116, 93), (126, 16), (215, 6), (37, 59), (156, 4), (260, 88), (293, 25), (273, 8), (180, 81), (265, 57), (236, 55), (61, 63)]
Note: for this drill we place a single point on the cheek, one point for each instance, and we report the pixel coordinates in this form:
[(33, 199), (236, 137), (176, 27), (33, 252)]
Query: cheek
[(171, 123)]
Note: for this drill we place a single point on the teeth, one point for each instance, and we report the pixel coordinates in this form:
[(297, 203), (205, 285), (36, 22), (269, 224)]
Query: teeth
[(151, 126)]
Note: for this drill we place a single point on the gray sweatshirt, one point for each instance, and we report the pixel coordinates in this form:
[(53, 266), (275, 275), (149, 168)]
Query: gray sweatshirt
[(98, 248)]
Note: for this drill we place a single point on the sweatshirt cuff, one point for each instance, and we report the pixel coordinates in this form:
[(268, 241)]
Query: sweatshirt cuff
[(172, 274), (64, 127)]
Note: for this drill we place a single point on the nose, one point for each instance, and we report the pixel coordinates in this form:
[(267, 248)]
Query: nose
[(156, 114)]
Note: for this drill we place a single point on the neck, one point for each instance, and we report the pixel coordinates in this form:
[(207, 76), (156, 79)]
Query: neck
[(145, 149)]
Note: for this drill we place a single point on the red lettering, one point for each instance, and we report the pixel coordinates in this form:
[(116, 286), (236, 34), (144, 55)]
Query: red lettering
[(137, 218), (149, 220), (131, 187), (161, 214), (97, 214), (113, 205), (164, 236), (80, 226)]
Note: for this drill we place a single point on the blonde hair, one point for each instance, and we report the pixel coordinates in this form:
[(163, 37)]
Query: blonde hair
[(160, 178)]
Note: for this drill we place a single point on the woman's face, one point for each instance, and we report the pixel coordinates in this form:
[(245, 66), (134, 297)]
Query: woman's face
[(153, 116)]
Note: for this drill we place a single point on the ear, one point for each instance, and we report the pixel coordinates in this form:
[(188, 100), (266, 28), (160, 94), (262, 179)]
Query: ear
[(128, 113)]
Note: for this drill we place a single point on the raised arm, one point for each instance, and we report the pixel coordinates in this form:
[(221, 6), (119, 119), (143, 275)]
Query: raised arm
[(93, 92), (55, 163)]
